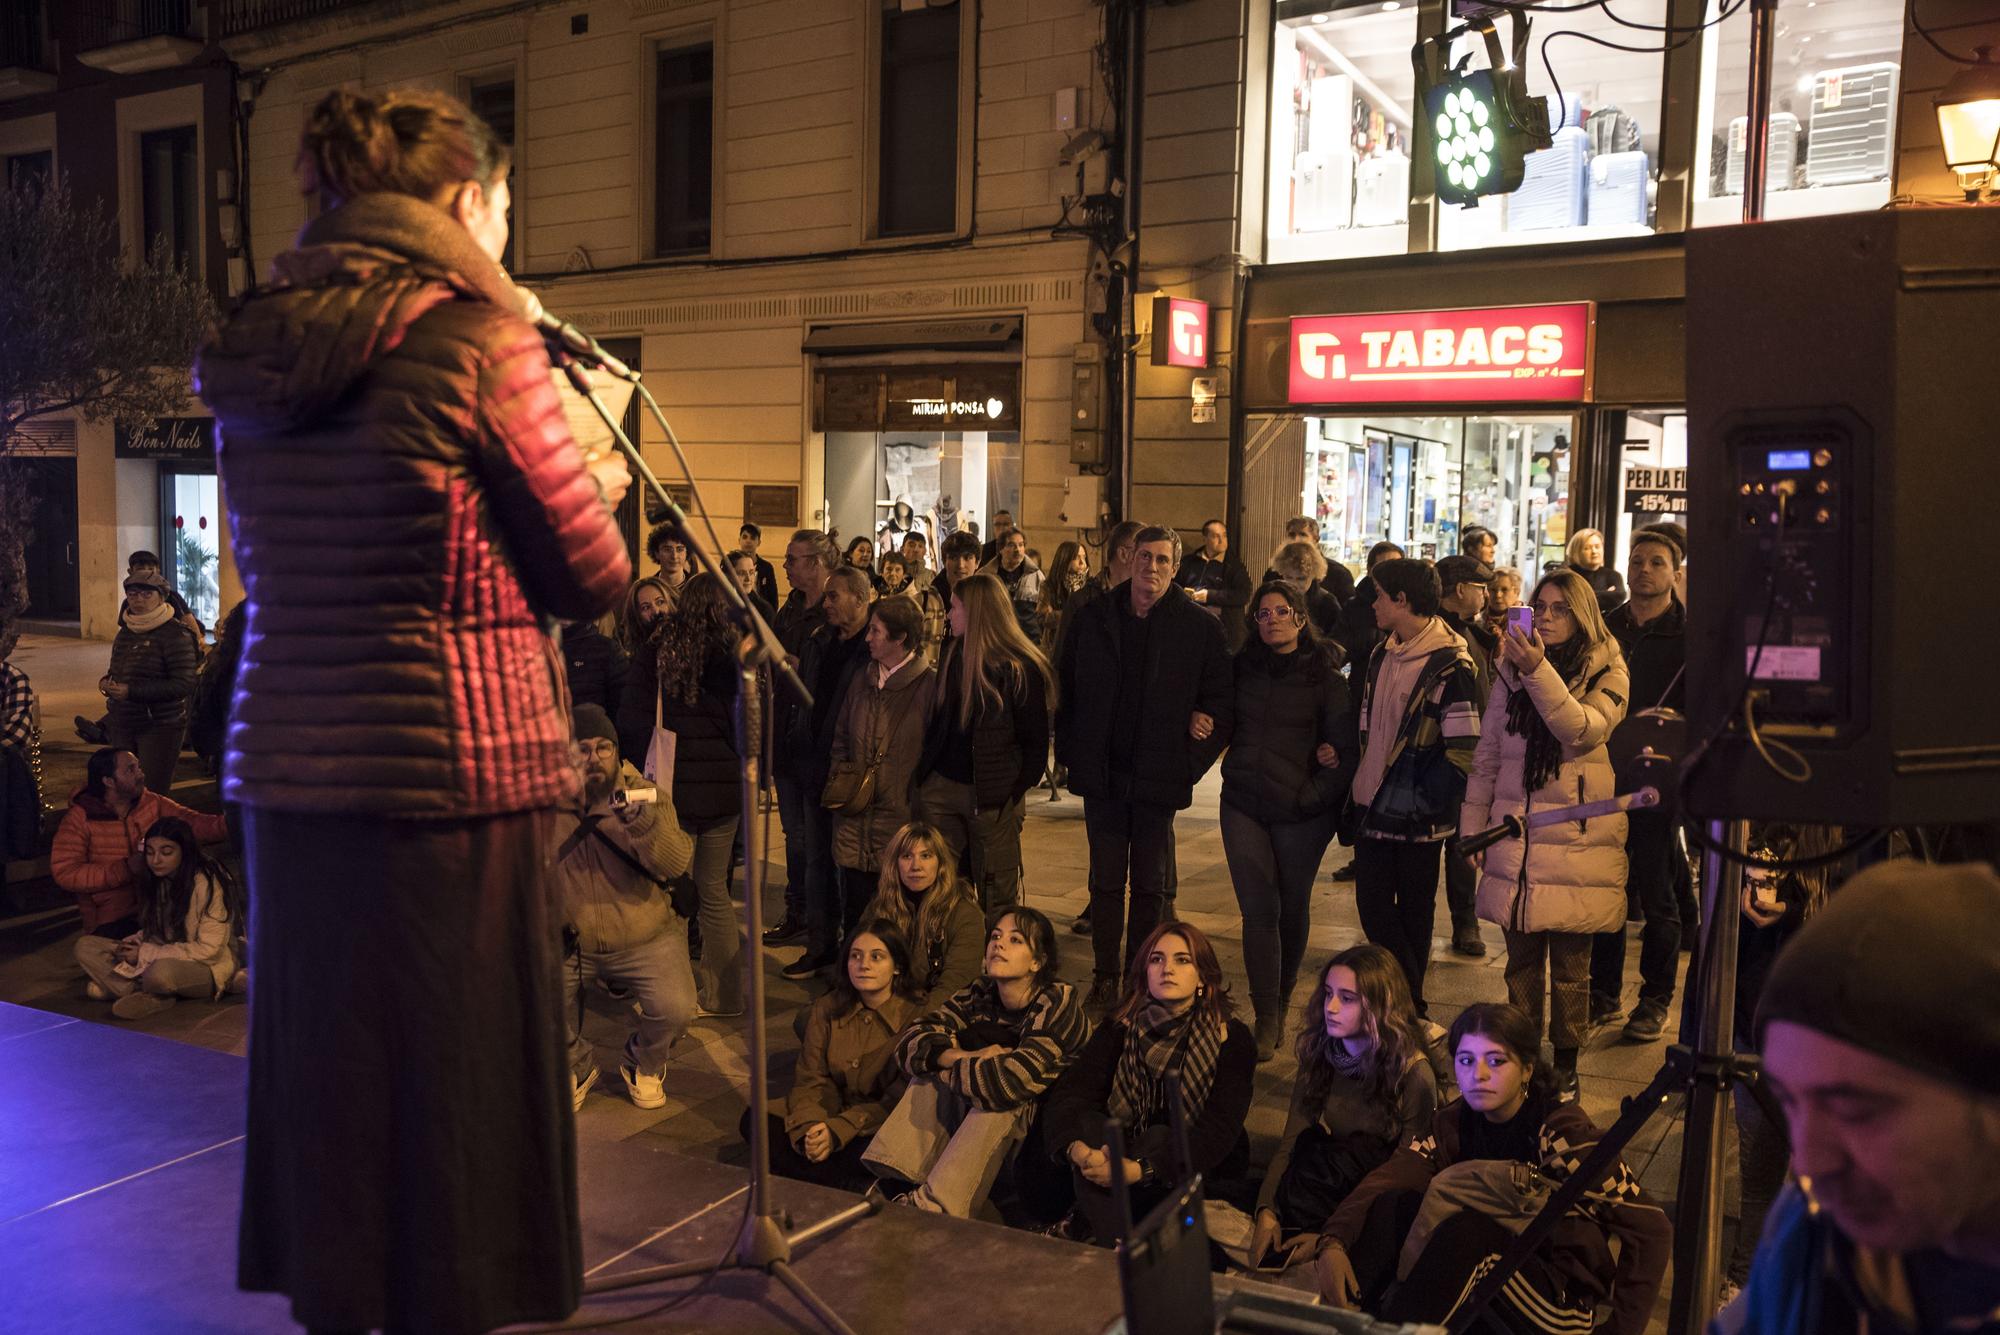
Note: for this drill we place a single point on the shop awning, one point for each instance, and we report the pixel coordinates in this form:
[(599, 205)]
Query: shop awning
[(988, 334)]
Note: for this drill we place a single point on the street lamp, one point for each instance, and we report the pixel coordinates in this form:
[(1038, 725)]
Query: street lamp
[(1968, 112)]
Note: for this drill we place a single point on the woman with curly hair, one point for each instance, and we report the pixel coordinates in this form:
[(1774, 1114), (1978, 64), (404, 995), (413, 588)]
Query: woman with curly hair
[(1176, 1018), (698, 676), (1364, 1087), (921, 895)]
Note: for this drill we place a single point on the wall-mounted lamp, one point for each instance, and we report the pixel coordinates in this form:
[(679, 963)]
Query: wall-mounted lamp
[(1968, 112)]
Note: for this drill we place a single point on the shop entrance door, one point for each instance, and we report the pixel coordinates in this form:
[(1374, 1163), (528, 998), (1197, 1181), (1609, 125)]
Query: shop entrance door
[(51, 554)]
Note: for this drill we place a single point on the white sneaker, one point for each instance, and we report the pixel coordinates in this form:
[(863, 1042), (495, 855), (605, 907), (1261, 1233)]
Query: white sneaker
[(647, 1091), (578, 1089), (96, 991)]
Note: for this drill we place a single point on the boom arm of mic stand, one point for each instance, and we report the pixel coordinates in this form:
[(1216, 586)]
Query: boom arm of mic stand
[(767, 651)]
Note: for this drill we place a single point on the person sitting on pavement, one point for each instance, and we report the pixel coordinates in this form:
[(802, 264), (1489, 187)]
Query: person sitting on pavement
[(154, 659), (1176, 1018), (192, 914), (847, 1078), (609, 871), (923, 898), (1365, 1087), (978, 1069), (1375, 1255), (1887, 1067), (97, 851)]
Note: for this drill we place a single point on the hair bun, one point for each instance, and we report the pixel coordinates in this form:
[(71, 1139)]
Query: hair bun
[(407, 141)]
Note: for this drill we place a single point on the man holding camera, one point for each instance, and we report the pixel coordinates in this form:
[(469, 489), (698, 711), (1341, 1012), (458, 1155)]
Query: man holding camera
[(611, 871)]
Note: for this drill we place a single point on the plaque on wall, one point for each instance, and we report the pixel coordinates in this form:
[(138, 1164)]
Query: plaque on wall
[(771, 506), (187, 438), (678, 490)]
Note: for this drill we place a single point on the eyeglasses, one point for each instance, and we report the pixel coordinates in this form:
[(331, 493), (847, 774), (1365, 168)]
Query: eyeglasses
[(1553, 611), (1278, 614)]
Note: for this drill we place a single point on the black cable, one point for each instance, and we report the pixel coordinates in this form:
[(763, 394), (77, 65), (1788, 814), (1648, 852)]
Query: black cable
[(1727, 12), (1860, 843), (1924, 33)]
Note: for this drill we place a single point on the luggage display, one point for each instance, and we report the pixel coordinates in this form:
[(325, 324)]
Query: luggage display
[(1784, 160), (1852, 132), (1553, 188), (1382, 190), (1324, 200), (1618, 188)]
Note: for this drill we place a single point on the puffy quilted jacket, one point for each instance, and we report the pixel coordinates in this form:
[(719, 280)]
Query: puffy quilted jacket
[(407, 505), (89, 857), (1575, 873), (159, 666)]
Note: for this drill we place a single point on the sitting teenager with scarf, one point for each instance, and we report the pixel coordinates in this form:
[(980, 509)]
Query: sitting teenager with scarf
[(1174, 1019), (1557, 695)]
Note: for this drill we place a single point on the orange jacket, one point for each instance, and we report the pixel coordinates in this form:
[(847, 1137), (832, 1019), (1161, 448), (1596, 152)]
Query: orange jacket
[(92, 846)]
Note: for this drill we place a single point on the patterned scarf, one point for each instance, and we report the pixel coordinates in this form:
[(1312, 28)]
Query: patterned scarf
[(1159, 1042), (1543, 756)]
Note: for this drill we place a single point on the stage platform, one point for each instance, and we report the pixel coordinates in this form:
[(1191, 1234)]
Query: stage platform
[(123, 1159)]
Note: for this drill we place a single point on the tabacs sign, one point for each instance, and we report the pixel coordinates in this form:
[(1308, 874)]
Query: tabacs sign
[(1497, 354), (166, 438), (1180, 332)]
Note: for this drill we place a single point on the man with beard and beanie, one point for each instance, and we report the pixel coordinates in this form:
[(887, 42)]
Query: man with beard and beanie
[(409, 512), (1881, 1041), (610, 872)]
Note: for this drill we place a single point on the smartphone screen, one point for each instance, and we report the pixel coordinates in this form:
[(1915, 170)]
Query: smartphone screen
[(1522, 619)]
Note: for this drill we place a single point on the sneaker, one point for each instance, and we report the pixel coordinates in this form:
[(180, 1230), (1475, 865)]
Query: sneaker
[(1103, 994), (1066, 1229), (1604, 1010), (96, 991), (647, 1091), (702, 1012), (1567, 1090), (87, 729), (140, 1005), (579, 1088), (1465, 940), (786, 933), (1648, 1022), (805, 966), (1081, 923)]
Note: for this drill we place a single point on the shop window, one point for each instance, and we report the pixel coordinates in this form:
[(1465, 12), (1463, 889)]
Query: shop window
[(492, 100), (950, 479), (1657, 443), (190, 532), (170, 206), (684, 150), (1599, 179), (917, 133), (30, 170), (1834, 80), (1342, 87)]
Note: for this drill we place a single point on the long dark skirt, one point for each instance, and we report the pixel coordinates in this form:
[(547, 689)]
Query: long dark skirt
[(410, 1160)]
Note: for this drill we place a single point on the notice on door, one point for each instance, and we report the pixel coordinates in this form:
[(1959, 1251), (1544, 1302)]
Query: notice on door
[(1651, 490)]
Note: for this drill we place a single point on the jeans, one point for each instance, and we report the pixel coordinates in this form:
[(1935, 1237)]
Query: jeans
[(1652, 857), (1125, 837), (1272, 867), (988, 842), (823, 889), (661, 981), (720, 976), (792, 816), (1395, 892), (158, 746), (163, 978), (1561, 961), (951, 1149)]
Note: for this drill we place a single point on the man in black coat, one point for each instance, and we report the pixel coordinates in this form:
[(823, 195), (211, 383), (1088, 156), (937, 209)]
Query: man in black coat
[(1145, 707), (1217, 581), (594, 665)]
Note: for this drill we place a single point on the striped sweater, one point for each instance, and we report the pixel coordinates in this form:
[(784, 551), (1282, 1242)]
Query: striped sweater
[(1419, 725), (1052, 1031)]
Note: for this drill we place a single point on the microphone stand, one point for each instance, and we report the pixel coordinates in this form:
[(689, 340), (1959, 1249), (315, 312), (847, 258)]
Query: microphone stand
[(765, 1242)]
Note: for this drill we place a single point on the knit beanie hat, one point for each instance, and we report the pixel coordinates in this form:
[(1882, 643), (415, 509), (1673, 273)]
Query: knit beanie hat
[(590, 722), (1903, 962)]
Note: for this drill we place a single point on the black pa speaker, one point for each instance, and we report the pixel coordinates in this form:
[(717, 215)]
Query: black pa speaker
[(1845, 517)]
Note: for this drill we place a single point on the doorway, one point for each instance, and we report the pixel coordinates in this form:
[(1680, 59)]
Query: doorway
[(54, 591)]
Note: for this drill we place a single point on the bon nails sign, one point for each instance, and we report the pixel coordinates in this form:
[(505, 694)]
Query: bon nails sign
[(1508, 354)]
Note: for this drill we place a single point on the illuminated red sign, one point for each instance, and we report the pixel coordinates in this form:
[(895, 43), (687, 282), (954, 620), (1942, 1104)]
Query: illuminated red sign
[(1536, 354), (1180, 332)]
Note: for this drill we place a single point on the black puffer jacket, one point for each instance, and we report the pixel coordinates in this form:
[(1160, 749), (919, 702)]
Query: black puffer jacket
[(1187, 669), (1010, 744), (406, 505), (708, 774), (594, 666), (1286, 705), (159, 666)]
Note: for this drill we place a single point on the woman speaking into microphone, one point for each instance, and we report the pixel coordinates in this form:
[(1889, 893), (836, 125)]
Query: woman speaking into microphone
[(407, 507)]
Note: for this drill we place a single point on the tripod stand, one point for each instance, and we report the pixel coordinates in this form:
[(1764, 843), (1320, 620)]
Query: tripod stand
[(765, 1243), (1705, 1073)]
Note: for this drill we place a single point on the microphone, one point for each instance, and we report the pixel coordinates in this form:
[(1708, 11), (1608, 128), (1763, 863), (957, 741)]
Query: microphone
[(568, 338)]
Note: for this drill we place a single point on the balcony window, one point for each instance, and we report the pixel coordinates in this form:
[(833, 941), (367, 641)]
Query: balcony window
[(170, 207), (684, 150), (1835, 73), (1341, 92), (30, 170), (492, 100), (1598, 179), (917, 133)]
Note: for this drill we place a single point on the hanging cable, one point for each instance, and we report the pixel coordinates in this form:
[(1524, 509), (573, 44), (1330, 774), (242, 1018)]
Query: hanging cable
[(1923, 32)]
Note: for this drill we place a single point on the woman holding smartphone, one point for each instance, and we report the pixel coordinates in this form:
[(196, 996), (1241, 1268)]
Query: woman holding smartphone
[(1558, 691)]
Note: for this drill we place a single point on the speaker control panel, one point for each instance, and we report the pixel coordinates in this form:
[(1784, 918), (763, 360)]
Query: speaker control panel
[(1797, 636)]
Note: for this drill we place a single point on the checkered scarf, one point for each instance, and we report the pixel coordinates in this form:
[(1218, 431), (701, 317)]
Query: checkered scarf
[(1159, 1042)]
